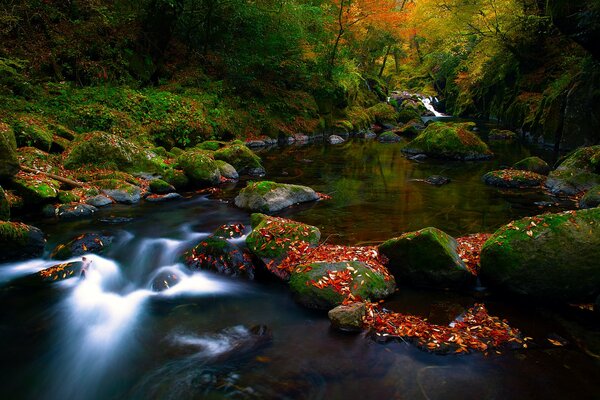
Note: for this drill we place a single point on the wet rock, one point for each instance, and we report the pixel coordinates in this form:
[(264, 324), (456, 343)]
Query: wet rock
[(348, 318), (49, 210), (335, 139), (437, 180), (502, 135), (165, 280), (591, 198), (158, 186), (19, 241), (579, 172), (426, 258), (4, 206), (272, 238), (450, 141), (219, 255), (9, 164), (240, 157), (255, 143), (389, 137), (417, 157), (160, 198), (120, 191), (227, 170), (55, 273), (552, 257), (98, 201), (268, 196), (533, 164), (86, 243), (513, 178), (365, 283), (75, 211)]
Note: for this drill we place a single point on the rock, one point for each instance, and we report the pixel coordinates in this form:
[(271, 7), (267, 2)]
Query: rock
[(449, 140), (98, 201), (552, 257), (272, 238), (348, 318), (255, 143), (65, 197), (335, 139), (55, 273), (165, 280), (29, 131), (75, 211), (513, 178), (4, 206), (268, 196), (383, 114), (159, 198), (417, 157), (9, 164), (158, 186), (36, 189), (533, 164), (110, 151), (364, 283), (591, 198), (502, 135), (86, 243), (389, 137), (579, 172), (219, 255), (227, 170), (119, 191), (230, 231), (426, 258), (241, 157), (20, 242), (49, 211), (199, 167), (176, 178), (437, 180), (256, 172), (408, 114), (411, 129)]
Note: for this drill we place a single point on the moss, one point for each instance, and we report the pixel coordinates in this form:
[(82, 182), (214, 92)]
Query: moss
[(533, 164), (383, 113), (67, 197), (591, 198), (30, 131), (407, 115), (176, 151), (9, 165), (359, 118), (199, 167), (502, 134), (513, 178), (176, 178), (389, 137), (90, 176), (240, 156), (159, 186), (36, 189), (211, 145), (115, 184), (14, 232)]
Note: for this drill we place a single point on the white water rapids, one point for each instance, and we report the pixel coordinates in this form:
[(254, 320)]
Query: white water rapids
[(427, 102)]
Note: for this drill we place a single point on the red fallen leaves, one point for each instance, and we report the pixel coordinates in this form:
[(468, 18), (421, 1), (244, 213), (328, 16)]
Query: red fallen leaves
[(56, 271), (469, 250), (476, 330), (323, 196), (232, 230)]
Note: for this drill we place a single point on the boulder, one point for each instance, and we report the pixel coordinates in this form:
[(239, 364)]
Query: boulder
[(160, 198), (408, 114), (20, 242), (119, 191), (9, 165), (55, 273), (36, 189), (4, 206), (533, 164), (98, 201), (268, 196), (158, 186), (426, 258), (82, 244), (450, 141), (383, 114), (272, 238), (513, 178), (218, 255), (335, 139), (324, 285), (552, 257), (176, 178), (230, 231), (29, 131), (75, 211), (227, 170), (502, 135), (241, 157), (106, 150), (164, 280), (199, 167), (65, 197), (437, 180), (591, 198), (348, 318), (389, 137), (579, 172)]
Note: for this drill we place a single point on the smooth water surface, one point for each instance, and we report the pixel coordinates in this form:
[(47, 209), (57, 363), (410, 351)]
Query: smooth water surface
[(110, 337)]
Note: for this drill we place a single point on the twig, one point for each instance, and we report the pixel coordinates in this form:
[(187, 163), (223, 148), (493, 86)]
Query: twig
[(53, 176)]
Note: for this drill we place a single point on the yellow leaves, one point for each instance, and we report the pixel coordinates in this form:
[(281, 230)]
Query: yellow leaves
[(529, 233)]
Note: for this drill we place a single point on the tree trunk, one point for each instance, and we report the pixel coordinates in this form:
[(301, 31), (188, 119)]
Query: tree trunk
[(387, 53)]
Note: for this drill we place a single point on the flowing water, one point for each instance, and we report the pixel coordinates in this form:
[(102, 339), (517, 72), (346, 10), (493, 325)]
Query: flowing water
[(109, 336)]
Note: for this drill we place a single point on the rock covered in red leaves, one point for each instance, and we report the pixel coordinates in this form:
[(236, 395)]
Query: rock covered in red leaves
[(221, 256)]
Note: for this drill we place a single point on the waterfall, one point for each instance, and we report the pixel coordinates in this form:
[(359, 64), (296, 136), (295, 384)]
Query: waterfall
[(427, 103)]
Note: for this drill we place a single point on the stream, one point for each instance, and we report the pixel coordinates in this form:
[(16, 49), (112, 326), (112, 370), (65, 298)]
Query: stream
[(110, 336)]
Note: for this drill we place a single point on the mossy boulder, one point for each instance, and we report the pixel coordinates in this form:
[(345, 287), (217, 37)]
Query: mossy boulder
[(389, 137), (199, 167), (219, 255), (66, 197), (227, 170), (29, 131), (158, 186), (19, 241), (211, 145), (449, 140), (75, 211), (4, 206), (310, 288), (533, 164), (9, 165), (408, 114), (426, 258), (119, 191), (86, 243), (176, 178), (591, 198), (36, 189), (348, 317), (272, 238), (502, 135), (552, 257), (268, 196), (383, 113), (242, 158), (102, 149), (513, 178), (579, 172)]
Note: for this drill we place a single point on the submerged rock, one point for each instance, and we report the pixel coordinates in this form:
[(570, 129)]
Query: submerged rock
[(591, 198), (551, 257), (82, 244), (165, 280), (579, 172), (268, 196), (437, 180), (19, 241), (449, 140), (221, 256), (513, 178), (75, 211), (533, 164), (348, 318), (426, 258), (9, 164)]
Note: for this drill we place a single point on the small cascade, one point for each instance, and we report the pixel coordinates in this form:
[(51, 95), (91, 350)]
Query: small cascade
[(427, 102)]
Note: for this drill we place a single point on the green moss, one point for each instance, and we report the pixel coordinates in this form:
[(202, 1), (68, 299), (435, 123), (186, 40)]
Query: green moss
[(199, 167), (211, 145), (408, 114), (240, 156), (383, 113), (359, 117), (9, 165), (502, 134), (90, 176), (36, 189), (115, 184), (176, 178), (30, 131), (533, 164), (14, 232), (160, 186), (513, 178), (67, 197)]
